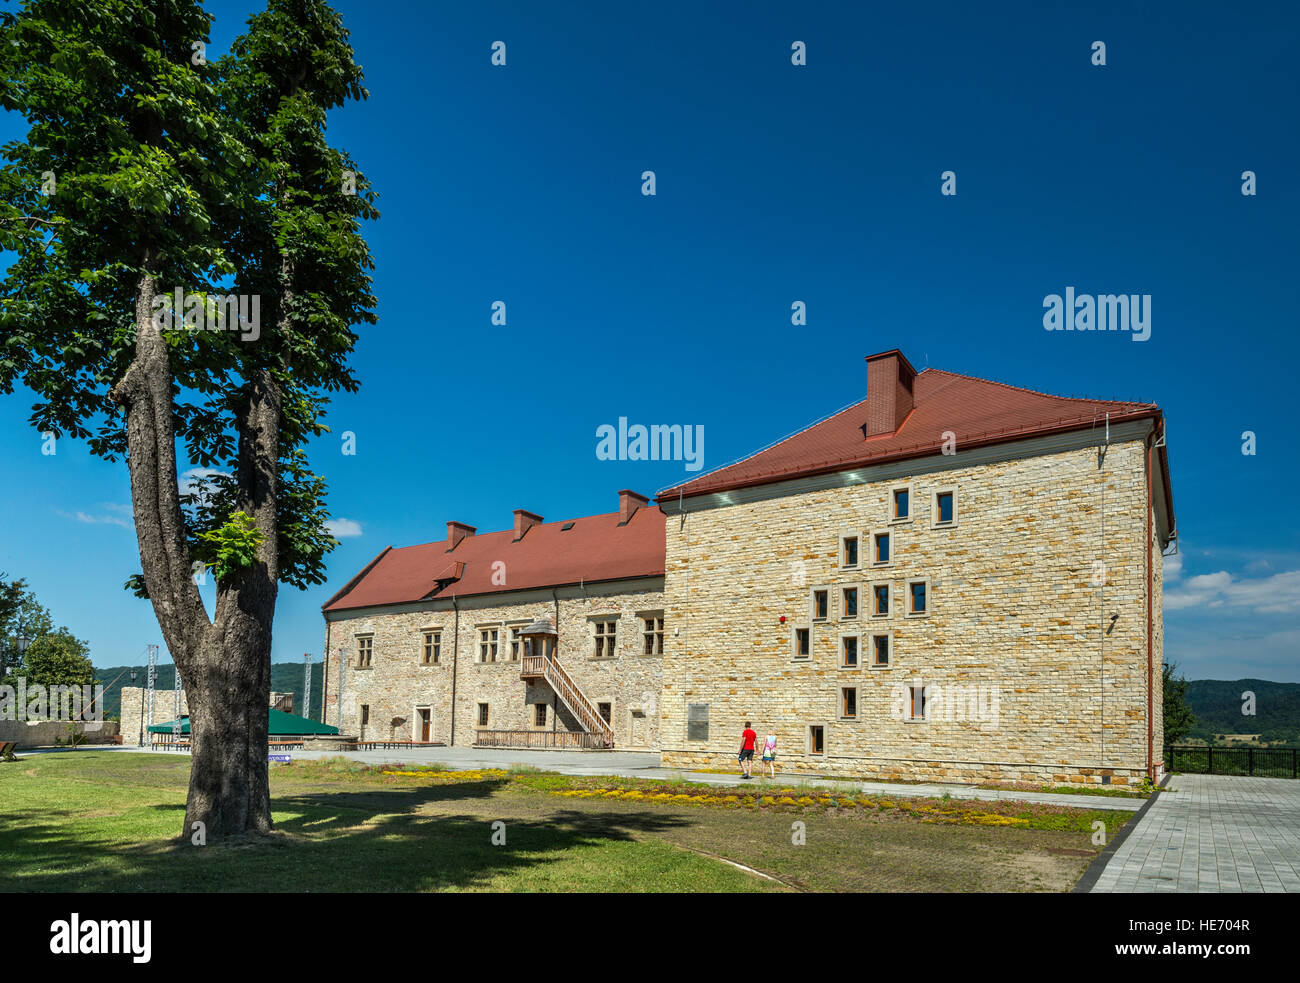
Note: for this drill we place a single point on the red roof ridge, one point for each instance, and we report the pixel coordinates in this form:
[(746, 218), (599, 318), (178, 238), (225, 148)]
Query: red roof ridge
[(1035, 392)]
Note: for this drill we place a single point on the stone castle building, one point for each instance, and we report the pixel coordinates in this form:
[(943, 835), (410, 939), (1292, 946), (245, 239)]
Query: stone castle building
[(953, 579)]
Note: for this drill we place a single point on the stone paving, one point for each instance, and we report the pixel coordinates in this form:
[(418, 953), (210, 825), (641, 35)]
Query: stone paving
[(1212, 834), (638, 764)]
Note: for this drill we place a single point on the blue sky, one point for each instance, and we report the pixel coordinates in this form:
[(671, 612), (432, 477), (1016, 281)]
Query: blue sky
[(777, 184)]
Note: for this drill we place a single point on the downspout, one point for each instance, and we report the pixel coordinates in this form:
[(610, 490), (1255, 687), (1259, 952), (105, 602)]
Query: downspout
[(555, 703), (455, 659), (324, 672), (1150, 641)]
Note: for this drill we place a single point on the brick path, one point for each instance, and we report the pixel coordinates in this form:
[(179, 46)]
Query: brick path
[(1211, 834)]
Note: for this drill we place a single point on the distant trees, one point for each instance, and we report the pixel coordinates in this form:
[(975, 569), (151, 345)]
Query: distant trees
[(1178, 716)]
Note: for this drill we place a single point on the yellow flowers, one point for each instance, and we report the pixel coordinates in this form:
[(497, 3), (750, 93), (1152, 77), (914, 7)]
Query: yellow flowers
[(482, 775)]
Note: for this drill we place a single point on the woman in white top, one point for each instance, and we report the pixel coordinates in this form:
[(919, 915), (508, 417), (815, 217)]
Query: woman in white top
[(769, 754)]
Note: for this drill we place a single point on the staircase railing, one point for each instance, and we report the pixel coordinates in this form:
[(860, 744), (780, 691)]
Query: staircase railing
[(577, 702)]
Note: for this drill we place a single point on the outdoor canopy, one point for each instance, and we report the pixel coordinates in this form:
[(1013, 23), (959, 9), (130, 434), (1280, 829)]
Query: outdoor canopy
[(278, 724)]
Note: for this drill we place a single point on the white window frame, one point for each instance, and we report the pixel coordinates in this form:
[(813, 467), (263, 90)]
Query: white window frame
[(370, 650), (794, 643), (812, 603), (881, 583), (839, 650), (844, 615), (907, 599), (657, 616), (871, 653), (893, 549), (911, 504), (934, 508), (839, 560)]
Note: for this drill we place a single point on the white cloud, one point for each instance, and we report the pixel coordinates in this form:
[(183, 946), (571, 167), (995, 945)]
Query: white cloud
[(1173, 567), (343, 528), (194, 479), (1278, 594), (94, 520)]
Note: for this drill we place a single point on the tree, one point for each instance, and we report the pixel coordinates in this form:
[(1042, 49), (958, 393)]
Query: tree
[(174, 175), (58, 658), (21, 616), (1178, 717)]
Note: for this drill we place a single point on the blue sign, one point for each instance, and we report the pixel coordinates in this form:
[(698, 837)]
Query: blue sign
[(282, 758)]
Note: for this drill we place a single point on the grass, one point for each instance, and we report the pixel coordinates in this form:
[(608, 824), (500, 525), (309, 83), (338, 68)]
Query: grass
[(108, 821)]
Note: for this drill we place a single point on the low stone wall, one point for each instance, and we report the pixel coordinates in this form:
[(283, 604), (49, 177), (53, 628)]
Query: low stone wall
[(49, 733)]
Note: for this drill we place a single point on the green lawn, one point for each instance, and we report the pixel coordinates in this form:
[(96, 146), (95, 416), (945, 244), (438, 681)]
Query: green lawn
[(107, 822)]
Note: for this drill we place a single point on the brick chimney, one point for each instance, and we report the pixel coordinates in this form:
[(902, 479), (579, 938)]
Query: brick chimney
[(456, 531), (628, 503), (889, 391), (525, 520)]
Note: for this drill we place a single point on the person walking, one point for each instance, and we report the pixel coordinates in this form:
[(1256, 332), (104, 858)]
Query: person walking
[(746, 757), (769, 754)]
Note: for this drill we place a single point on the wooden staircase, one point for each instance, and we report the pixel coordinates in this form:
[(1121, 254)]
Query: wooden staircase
[(540, 667)]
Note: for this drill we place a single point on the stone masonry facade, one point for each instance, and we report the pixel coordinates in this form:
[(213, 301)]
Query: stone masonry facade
[(399, 683), (1031, 652)]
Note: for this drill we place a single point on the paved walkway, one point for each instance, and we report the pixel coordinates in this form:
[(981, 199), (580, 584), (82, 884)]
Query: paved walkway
[(1210, 834), (636, 764)]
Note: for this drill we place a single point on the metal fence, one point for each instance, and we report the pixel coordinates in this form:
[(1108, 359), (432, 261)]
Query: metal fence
[(1261, 762)]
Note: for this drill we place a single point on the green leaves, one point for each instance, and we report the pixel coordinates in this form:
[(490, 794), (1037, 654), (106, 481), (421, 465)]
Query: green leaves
[(234, 545)]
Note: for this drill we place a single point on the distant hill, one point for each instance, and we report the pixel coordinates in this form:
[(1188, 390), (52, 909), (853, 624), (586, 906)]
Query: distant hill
[(1218, 703), (286, 677)]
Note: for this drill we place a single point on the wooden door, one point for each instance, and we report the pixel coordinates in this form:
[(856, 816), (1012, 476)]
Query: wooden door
[(425, 724)]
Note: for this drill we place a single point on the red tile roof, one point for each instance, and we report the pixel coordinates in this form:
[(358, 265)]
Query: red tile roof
[(977, 411), (596, 548)]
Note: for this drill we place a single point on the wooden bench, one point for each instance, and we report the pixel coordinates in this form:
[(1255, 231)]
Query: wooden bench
[(7, 750)]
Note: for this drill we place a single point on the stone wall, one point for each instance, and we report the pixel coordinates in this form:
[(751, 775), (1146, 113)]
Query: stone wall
[(133, 710), (50, 733), (397, 685), (1016, 611)]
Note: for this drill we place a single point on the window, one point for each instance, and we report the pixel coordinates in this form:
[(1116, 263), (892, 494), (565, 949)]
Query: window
[(605, 635), (849, 602), (516, 643), (654, 634), (802, 642), (539, 715), (849, 703), (821, 603), (487, 644), (880, 646), (365, 714), (697, 721), (880, 549), (879, 600), (365, 651), (849, 550), (848, 651), (917, 708), (816, 739), (900, 504), (606, 711), (945, 508), (432, 649), (918, 597), (482, 714)]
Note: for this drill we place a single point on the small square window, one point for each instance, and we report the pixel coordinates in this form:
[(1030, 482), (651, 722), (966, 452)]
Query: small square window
[(901, 504), (802, 640), (880, 548), (848, 651), (849, 703), (945, 508), (849, 602), (821, 603), (880, 650), (879, 600), (849, 551), (918, 596), (816, 739)]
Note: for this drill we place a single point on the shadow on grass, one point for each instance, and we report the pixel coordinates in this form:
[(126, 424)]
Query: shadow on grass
[(371, 840)]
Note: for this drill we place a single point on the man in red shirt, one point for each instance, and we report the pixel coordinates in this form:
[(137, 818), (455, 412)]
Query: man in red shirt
[(747, 739)]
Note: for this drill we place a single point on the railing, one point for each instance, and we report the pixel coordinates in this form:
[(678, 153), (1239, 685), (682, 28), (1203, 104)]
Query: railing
[(534, 665), (574, 699), (1264, 762), (538, 739)]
